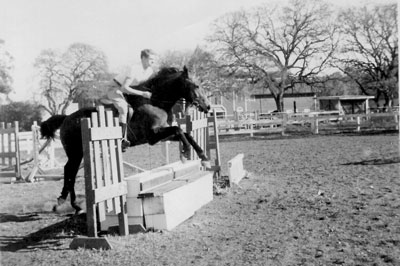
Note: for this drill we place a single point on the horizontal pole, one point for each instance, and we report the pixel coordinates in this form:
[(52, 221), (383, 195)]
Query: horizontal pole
[(105, 133), (109, 192)]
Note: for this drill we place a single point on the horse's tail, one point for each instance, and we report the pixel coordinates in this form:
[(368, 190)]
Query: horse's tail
[(49, 127)]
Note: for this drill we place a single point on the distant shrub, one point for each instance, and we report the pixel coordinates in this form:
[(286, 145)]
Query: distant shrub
[(23, 112)]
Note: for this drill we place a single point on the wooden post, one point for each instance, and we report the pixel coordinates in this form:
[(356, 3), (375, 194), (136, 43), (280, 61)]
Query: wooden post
[(165, 150), (217, 167), (18, 174), (197, 125), (104, 185), (358, 123), (314, 124), (284, 123)]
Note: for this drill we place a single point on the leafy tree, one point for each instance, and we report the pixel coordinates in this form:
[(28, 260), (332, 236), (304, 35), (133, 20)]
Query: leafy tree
[(6, 66), (369, 52), (173, 58), (23, 112), (203, 68), (64, 76), (336, 84), (90, 92), (276, 47)]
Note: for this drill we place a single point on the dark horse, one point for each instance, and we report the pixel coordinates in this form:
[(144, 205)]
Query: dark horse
[(148, 124)]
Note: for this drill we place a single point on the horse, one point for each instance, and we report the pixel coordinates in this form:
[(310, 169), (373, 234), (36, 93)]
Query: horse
[(149, 123)]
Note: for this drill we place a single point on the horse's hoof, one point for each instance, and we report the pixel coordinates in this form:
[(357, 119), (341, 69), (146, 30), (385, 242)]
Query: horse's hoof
[(60, 201), (185, 154), (206, 164), (183, 159)]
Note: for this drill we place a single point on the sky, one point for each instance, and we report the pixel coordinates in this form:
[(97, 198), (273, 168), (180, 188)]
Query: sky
[(119, 28)]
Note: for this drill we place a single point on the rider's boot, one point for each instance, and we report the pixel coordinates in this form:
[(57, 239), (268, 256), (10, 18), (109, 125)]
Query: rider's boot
[(125, 143)]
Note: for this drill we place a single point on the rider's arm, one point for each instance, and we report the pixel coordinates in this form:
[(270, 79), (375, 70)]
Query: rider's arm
[(126, 89), (134, 78)]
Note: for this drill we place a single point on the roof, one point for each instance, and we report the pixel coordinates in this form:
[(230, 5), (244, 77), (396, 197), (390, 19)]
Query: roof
[(218, 108), (287, 95), (346, 97)]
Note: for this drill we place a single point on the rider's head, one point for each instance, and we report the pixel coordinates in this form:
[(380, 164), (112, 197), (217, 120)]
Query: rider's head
[(148, 58)]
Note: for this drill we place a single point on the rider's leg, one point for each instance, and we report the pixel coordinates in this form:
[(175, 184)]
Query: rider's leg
[(130, 114), (122, 107)]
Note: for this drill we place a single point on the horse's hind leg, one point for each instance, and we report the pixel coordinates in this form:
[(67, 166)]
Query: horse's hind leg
[(70, 171), (196, 147)]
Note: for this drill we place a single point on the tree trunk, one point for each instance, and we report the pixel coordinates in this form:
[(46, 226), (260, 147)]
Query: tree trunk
[(64, 108), (279, 102)]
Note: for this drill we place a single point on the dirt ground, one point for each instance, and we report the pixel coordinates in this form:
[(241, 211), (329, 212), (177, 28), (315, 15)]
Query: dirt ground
[(321, 200)]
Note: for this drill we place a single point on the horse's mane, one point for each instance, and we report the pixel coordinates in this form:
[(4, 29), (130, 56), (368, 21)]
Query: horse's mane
[(163, 74), (155, 84)]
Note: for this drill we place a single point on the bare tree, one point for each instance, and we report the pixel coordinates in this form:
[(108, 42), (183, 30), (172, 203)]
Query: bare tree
[(64, 76), (277, 46), (369, 53)]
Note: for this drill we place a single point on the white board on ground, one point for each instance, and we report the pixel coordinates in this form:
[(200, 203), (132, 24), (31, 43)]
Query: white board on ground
[(236, 170)]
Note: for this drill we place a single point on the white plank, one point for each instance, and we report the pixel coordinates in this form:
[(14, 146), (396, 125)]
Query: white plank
[(236, 170), (105, 133), (179, 204)]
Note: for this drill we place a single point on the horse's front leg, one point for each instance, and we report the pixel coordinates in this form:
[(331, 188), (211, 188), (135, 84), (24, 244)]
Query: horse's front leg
[(171, 133), (200, 152), (176, 133)]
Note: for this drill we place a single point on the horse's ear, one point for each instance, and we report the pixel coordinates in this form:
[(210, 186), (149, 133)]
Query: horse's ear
[(185, 71)]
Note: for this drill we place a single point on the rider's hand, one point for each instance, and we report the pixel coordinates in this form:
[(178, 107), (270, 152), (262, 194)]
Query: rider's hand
[(119, 92), (147, 94)]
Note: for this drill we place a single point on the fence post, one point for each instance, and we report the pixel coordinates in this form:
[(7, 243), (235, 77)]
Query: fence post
[(358, 123), (314, 124), (17, 155), (165, 150), (284, 123), (104, 185)]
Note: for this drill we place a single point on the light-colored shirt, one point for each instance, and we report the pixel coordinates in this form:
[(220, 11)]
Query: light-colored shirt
[(137, 73)]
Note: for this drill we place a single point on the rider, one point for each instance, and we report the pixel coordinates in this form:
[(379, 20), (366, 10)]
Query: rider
[(121, 84)]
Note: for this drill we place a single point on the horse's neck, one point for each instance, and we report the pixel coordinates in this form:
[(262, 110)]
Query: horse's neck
[(163, 101), (165, 97)]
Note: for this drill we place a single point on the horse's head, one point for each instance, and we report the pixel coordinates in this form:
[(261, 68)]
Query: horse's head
[(194, 95), (170, 85)]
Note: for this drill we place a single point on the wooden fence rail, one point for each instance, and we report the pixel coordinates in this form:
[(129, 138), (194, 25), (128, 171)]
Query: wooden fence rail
[(279, 123)]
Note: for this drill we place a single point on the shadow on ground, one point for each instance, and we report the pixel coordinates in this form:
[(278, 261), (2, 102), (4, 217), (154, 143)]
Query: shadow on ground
[(49, 237), (379, 161)]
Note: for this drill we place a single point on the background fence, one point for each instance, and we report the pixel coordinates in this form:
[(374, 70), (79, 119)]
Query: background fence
[(312, 122)]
